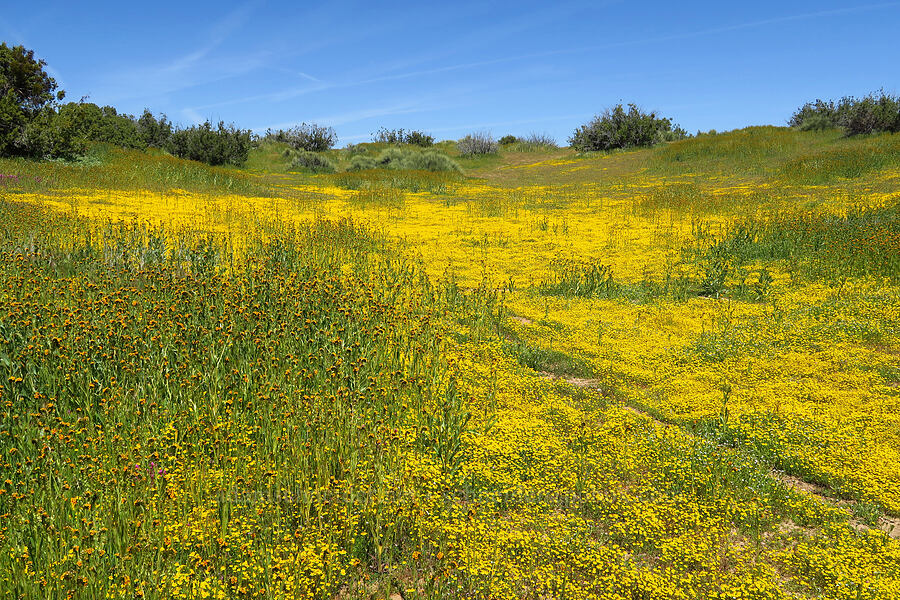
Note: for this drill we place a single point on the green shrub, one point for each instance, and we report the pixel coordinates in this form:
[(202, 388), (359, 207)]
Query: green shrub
[(621, 128), (817, 116), (306, 136), (388, 136), (477, 143), (506, 140), (389, 158), (312, 161), (361, 163), (50, 135), (414, 160), (874, 113), (220, 146), (351, 150), (402, 136), (818, 122), (429, 161), (95, 124), (419, 138), (534, 142)]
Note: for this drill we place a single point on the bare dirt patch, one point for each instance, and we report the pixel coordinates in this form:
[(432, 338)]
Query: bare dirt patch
[(804, 486)]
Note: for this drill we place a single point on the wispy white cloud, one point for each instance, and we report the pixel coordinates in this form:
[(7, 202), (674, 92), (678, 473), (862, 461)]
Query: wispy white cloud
[(18, 38), (491, 124), (12, 34), (192, 116), (197, 67), (300, 74), (218, 34), (269, 97), (610, 46), (352, 116), (294, 92), (477, 37), (753, 24), (482, 126)]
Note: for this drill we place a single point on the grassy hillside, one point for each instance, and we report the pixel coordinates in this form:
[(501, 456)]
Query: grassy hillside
[(660, 373)]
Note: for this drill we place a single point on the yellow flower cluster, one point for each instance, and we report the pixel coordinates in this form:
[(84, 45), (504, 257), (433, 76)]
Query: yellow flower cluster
[(613, 383)]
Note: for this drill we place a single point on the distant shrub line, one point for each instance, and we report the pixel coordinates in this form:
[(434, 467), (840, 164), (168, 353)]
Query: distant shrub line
[(875, 113), (34, 123), (403, 136)]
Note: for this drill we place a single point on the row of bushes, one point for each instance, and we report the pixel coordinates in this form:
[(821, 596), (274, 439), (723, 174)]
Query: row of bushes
[(402, 136), (34, 123), (390, 158), (75, 124), (874, 113), (617, 127)]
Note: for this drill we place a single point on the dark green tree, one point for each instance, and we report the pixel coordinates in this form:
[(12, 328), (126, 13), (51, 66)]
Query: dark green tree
[(27, 97), (95, 124), (154, 132)]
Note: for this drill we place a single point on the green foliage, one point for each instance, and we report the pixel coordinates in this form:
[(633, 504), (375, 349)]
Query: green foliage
[(154, 133), (433, 182), (816, 116), (306, 136), (95, 124), (429, 161), (314, 162), (476, 143), (533, 142), (621, 128), (361, 163), (27, 96), (548, 360), (874, 113), (32, 125), (442, 430), (107, 167), (862, 242), (409, 159), (419, 138), (850, 158), (507, 140), (402, 136), (756, 150), (581, 279), (220, 146), (49, 135)]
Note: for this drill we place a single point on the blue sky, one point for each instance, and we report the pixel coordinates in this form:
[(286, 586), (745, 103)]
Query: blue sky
[(454, 67)]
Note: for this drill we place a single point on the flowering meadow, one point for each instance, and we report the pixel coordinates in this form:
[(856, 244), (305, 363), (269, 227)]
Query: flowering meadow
[(663, 373)]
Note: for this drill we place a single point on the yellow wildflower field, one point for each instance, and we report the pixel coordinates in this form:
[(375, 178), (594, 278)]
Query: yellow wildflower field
[(668, 373)]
